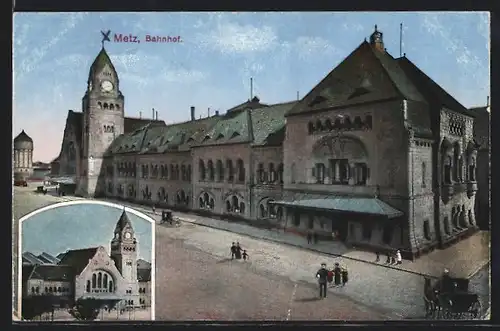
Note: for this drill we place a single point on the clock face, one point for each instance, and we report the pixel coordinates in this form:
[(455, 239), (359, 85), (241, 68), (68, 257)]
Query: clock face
[(107, 86), (128, 235)]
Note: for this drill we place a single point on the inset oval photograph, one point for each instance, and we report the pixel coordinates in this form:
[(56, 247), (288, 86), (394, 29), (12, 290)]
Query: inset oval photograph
[(86, 261)]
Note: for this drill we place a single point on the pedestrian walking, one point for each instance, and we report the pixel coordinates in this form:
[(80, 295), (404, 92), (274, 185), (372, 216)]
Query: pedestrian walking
[(309, 237), (345, 276), (154, 209), (315, 237), (245, 255), (399, 259), (238, 251), (233, 250), (337, 274), (378, 256), (393, 259), (322, 276), (388, 261)]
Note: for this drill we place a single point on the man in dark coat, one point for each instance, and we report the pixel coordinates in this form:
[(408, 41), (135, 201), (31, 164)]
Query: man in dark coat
[(322, 276), (309, 237), (337, 274), (233, 250), (238, 251)]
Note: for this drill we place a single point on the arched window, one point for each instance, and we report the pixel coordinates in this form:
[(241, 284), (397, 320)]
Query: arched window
[(111, 289), (319, 125), (447, 169), (94, 280), (242, 207), (241, 170), (211, 174), (220, 170), (228, 206), (105, 105), (211, 203), (472, 169), (328, 124), (424, 172), (59, 289), (206, 198), (87, 288), (177, 172), (184, 172), (358, 124), (172, 172), (337, 124), (105, 281), (293, 173), (234, 203), (230, 170), (347, 123), (112, 106), (456, 156), (310, 127), (272, 173), (201, 168), (32, 289), (99, 280), (368, 121)]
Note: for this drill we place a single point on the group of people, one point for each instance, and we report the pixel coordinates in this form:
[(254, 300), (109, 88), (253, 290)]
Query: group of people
[(238, 253), (338, 275), (394, 258)]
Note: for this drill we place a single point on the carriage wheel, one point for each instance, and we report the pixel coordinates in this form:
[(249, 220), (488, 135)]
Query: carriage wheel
[(475, 309)]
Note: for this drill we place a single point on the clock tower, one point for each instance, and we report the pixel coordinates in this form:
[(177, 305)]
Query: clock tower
[(124, 253), (103, 121)]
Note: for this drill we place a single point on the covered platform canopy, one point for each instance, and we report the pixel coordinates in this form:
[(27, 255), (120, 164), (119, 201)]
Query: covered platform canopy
[(371, 206)]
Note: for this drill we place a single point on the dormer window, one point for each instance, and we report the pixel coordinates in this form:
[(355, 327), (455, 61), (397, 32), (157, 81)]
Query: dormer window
[(220, 136), (235, 134), (207, 137)]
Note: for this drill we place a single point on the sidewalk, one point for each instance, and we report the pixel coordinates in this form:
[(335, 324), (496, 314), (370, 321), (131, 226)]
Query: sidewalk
[(463, 259)]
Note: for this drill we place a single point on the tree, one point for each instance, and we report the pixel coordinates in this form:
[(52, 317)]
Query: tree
[(86, 309), (36, 306)]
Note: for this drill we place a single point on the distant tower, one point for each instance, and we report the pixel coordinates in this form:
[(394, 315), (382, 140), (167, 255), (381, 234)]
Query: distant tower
[(377, 40), (124, 253), (103, 120), (23, 156)]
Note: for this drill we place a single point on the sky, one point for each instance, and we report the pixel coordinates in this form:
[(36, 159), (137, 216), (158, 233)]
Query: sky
[(210, 68), (81, 226)]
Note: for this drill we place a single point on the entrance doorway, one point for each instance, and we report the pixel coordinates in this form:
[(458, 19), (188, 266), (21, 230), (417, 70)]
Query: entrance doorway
[(339, 226)]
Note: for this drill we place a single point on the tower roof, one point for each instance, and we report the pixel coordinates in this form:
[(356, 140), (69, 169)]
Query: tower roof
[(123, 222), (23, 137), (102, 59)]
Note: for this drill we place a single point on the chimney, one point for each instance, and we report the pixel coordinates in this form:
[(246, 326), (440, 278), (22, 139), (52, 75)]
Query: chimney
[(157, 115), (140, 114), (192, 113)]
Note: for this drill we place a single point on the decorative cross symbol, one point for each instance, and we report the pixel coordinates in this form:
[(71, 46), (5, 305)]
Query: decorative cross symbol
[(105, 37)]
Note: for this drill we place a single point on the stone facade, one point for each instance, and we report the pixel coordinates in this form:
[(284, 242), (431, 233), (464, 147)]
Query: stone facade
[(375, 131)]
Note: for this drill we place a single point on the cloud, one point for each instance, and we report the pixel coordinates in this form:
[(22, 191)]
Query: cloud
[(357, 27), (234, 38), (37, 54), (454, 46), (312, 46)]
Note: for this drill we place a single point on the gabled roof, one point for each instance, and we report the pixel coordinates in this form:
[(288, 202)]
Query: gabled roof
[(429, 88), (338, 89), (53, 272), (231, 129), (268, 124), (32, 258), (78, 258), (47, 258)]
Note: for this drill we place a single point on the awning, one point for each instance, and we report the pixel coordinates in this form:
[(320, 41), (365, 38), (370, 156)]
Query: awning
[(372, 206)]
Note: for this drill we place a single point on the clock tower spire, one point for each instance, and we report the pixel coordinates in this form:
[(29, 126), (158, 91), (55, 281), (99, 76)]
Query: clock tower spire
[(103, 121)]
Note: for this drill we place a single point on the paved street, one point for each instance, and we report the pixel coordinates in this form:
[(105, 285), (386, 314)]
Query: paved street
[(265, 286)]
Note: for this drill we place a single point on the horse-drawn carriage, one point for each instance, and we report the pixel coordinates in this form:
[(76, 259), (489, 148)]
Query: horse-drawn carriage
[(450, 298), (168, 219)]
